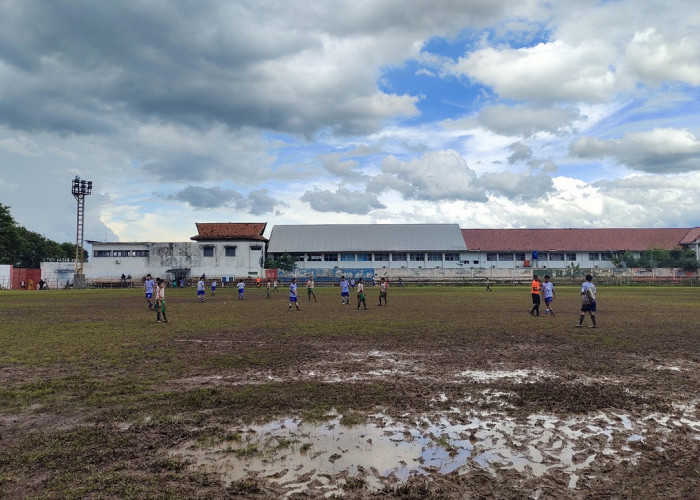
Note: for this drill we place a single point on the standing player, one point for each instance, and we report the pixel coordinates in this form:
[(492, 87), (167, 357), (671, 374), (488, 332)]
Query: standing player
[(382, 291), (200, 289), (213, 287), (548, 294), (274, 285), (160, 302), (310, 288), (352, 284), (535, 293), (344, 291), (268, 287), (361, 294), (241, 289), (293, 294), (588, 304), (148, 288)]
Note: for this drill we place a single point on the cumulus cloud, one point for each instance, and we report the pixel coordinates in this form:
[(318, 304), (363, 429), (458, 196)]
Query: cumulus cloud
[(527, 121), (342, 200), (654, 59), (520, 152), (661, 150), (546, 73), (437, 175), (518, 186)]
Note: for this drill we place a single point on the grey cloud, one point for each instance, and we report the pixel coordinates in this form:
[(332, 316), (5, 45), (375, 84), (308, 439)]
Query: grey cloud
[(521, 152), (528, 187), (654, 151), (526, 121), (256, 203), (342, 201)]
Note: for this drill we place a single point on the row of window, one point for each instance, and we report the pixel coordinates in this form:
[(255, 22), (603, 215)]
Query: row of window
[(553, 256), (377, 257), (120, 253)]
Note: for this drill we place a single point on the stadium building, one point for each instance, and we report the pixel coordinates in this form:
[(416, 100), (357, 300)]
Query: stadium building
[(562, 248), (329, 251)]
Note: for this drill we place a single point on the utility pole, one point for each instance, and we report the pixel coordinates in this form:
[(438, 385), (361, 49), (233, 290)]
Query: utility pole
[(80, 189)]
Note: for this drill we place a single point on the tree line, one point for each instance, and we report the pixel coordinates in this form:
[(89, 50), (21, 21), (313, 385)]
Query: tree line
[(21, 247), (680, 257)]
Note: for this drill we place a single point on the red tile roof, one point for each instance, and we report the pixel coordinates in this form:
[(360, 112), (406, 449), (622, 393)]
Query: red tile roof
[(212, 231), (692, 236), (494, 240)]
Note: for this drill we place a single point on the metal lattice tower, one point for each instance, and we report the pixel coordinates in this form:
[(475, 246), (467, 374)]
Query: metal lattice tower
[(80, 190)]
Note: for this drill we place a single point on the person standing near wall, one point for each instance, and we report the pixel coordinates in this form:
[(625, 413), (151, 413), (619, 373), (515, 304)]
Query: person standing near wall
[(148, 285), (382, 291)]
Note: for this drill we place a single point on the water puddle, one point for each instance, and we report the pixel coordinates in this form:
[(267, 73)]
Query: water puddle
[(323, 457)]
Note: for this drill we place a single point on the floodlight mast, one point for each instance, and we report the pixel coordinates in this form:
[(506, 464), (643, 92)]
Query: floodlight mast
[(80, 189)]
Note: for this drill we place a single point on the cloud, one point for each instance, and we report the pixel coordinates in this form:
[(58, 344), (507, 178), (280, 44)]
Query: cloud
[(546, 73), (521, 152), (437, 175), (256, 203), (661, 150), (342, 200), (518, 186), (655, 60), (527, 121)]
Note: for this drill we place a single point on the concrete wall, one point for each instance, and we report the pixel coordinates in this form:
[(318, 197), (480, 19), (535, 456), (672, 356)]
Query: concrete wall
[(5, 277)]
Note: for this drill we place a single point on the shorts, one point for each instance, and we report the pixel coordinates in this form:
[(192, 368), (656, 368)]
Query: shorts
[(200, 292), (213, 289), (292, 298), (345, 294), (548, 300), (588, 307), (149, 295), (535, 298)]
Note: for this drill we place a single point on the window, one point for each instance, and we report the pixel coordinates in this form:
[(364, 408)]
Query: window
[(208, 251), (347, 257), (475, 262), (542, 256), (571, 256), (593, 256), (103, 253), (315, 257), (139, 253), (451, 256), (330, 257), (298, 257), (416, 257), (505, 256), (435, 257), (120, 253), (491, 257), (383, 257), (520, 256), (606, 256), (556, 256), (256, 247), (398, 257), (230, 251), (364, 257)]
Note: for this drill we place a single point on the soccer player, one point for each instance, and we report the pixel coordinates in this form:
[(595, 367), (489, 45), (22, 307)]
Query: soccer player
[(588, 305), (213, 287), (382, 291), (548, 294), (148, 288), (293, 294), (160, 302), (310, 288), (535, 293), (269, 285), (361, 294), (344, 291), (200, 289), (241, 289)]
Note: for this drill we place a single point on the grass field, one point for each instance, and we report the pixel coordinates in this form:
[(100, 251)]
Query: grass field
[(445, 393)]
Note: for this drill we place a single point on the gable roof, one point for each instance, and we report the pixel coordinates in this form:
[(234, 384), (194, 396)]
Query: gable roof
[(366, 238), (214, 231), (494, 240)]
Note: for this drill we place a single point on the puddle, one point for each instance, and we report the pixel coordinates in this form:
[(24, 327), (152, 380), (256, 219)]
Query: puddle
[(310, 457)]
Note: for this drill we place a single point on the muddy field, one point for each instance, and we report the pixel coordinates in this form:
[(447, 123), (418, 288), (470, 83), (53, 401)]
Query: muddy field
[(445, 393)]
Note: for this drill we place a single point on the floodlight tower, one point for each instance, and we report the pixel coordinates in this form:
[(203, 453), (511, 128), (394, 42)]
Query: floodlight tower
[(81, 189)]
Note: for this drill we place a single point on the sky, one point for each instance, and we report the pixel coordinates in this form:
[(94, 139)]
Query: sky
[(483, 113)]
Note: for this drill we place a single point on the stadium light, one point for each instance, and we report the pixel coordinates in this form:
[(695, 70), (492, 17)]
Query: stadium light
[(80, 189)]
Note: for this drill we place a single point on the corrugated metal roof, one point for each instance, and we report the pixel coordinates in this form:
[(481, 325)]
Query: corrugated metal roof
[(366, 238), (494, 240)]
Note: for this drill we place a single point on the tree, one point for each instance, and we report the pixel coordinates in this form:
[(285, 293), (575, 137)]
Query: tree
[(10, 240), (284, 262)]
